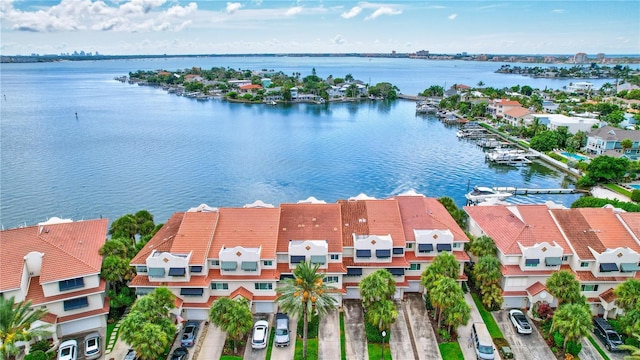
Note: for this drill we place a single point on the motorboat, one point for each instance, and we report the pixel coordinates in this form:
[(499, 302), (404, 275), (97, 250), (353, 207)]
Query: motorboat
[(481, 193)]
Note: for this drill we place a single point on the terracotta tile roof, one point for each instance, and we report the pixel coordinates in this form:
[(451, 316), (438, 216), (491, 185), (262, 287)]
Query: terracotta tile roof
[(632, 220), (310, 222), (579, 232), (250, 87), (517, 112), (264, 297), (351, 211), (609, 229), (50, 318), (421, 213), (247, 227), (265, 274), (206, 305), (514, 270), (36, 295), (383, 217), (241, 291), (505, 102), (608, 295), (161, 241), (178, 302), (593, 300), (141, 280), (511, 225), (513, 293), (536, 288), (195, 235), (70, 251), (396, 262), (411, 256), (103, 311), (587, 276), (332, 268)]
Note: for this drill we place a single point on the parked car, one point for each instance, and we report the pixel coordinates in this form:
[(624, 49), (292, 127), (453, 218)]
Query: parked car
[(180, 353), (92, 347), (610, 338), (131, 355), (520, 322), (282, 330), (260, 334), (68, 350), (189, 334)]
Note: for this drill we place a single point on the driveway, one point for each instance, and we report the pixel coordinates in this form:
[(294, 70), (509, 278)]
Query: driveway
[(531, 347), (424, 337), (212, 343), (287, 352), (329, 336), (464, 332), (258, 354), (618, 355), (197, 342), (356, 337), (588, 351)]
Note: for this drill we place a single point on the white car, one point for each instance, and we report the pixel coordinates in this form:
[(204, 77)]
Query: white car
[(68, 350), (92, 348), (520, 322), (260, 334)]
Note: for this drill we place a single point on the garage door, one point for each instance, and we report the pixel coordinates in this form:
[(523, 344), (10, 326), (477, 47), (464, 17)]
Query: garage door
[(338, 298), (352, 293), (82, 325), (414, 286), (196, 314), (512, 302), (263, 307)]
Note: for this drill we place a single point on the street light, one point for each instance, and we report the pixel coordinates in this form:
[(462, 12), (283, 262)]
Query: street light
[(384, 333)]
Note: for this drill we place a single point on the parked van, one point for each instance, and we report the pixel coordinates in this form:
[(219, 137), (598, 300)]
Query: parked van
[(282, 330), (482, 341), (610, 338)]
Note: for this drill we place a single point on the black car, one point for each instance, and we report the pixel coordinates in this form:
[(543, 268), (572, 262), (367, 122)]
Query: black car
[(180, 353)]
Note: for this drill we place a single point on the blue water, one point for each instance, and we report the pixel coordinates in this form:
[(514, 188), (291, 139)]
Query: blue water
[(574, 156), (135, 147), (635, 186)]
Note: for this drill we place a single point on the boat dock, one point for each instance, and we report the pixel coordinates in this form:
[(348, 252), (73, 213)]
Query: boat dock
[(526, 191)]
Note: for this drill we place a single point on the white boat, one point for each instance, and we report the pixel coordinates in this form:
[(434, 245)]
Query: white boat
[(481, 193)]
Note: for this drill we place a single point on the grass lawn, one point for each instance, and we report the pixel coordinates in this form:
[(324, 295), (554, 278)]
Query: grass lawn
[(492, 326), (618, 189), (109, 331), (597, 346), (230, 357), (343, 339), (375, 351), (312, 349), (270, 345), (451, 350)]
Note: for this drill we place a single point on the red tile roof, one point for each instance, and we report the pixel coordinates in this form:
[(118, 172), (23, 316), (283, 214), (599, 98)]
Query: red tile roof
[(36, 295), (536, 288), (579, 232), (195, 235), (310, 222), (352, 211), (70, 251), (513, 293), (383, 217), (206, 305), (411, 256), (250, 87), (632, 220), (265, 274), (249, 228), (422, 213), (105, 310), (514, 270), (241, 291), (608, 295), (610, 231), (332, 268), (195, 281), (161, 241), (396, 262), (517, 112)]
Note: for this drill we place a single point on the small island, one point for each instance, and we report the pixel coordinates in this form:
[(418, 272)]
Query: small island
[(591, 71), (261, 87)]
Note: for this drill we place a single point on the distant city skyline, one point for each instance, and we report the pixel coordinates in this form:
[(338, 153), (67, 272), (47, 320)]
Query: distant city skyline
[(129, 27)]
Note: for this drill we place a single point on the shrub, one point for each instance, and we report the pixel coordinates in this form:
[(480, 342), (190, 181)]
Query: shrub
[(36, 355), (374, 335), (632, 341), (500, 342), (43, 345), (555, 156), (542, 311), (585, 182), (573, 348), (312, 329), (546, 327), (444, 334), (558, 339), (635, 195)]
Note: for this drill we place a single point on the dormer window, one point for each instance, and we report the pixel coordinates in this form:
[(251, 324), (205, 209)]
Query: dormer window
[(177, 271), (249, 266), (229, 265), (608, 267), (66, 285), (296, 259), (156, 272), (383, 253), (196, 269), (531, 262), (425, 248), (443, 247), (363, 253), (318, 259)]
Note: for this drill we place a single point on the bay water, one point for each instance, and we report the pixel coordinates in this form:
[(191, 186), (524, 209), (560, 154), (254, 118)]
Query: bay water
[(135, 147)]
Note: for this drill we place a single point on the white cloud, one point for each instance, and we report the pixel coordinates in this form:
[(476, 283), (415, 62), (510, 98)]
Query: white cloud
[(452, 16), (383, 10), (338, 40), (233, 7), (352, 13), (557, 11), (294, 11)]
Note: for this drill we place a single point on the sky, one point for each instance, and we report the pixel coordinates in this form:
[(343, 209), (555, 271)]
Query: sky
[(149, 27)]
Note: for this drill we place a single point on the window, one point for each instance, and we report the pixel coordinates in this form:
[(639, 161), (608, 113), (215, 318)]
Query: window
[(409, 245), (263, 286), (267, 263), (215, 262), (335, 256), (398, 251), (219, 286), (565, 258), (456, 245), (141, 269), (191, 291), (425, 248), (414, 267), (156, 272), (249, 265), (383, 253), (78, 303), (296, 259), (531, 262), (196, 269), (363, 253), (177, 271), (354, 272), (589, 287), (331, 279), (584, 264), (443, 247), (318, 259), (71, 284), (396, 271), (229, 265)]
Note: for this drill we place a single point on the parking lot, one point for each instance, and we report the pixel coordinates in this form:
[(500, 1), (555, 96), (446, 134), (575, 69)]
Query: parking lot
[(80, 339), (529, 347)]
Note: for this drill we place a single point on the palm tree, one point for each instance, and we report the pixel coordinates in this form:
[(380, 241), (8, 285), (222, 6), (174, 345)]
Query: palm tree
[(564, 287), (458, 314), (630, 321), (634, 351), (304, 294), (445, 264), (483, 246), (376, 287), (232, 316), (627, 294), (16, 320), (573, 322), (382, 314), (443, 294)]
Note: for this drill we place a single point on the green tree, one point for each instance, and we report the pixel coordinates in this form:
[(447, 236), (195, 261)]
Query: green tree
[(626, 144), (564, 287), (304, 294), (377, 286), (459, 313), (382, 314), (545, 141), (445, 264), (483, 246), (232, 316), (16, 324), (573, 322), (130, 225), (487, 276), (634, 351), (630, 321), (148, 327), (627, 294), (459, 215), (606, 168), (443, 295)]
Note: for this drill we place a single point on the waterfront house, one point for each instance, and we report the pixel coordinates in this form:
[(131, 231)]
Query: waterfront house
[(207, 253), (572, 123), (497, 107), (250, 89), (581, 87), (517, 116), (607, 140), (56, 265), (598, 245)]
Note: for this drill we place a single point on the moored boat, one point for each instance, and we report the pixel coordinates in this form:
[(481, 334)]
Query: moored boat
[(481, 193)]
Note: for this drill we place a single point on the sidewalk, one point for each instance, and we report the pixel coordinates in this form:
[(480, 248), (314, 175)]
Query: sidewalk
[(604, 193), (329, 336), (212, 344), (464, 332)]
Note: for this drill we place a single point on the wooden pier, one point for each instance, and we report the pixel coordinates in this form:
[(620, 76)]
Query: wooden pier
[(525, 191)]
